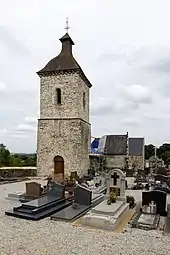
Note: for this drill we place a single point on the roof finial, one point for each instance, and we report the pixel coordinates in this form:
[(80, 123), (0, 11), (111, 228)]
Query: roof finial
[(67, 26)]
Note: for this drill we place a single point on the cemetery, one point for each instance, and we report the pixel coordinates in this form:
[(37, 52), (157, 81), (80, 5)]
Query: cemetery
[(103, 202)]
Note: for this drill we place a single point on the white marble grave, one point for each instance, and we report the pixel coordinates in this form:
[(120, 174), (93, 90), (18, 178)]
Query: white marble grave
[(109, 216), (106, 216)]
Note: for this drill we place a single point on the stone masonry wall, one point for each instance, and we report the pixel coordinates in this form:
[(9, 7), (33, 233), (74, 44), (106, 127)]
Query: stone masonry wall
[(63, 129), (136, 162), (72, 89), (66, 138), (16, 172), (115, 161), (119, 161)]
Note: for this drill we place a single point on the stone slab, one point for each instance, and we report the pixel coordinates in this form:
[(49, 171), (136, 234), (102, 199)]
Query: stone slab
[(104, 208), (146, 219), (41, 214), (71, 214), (105, 221), (37, 203), (16, 196)]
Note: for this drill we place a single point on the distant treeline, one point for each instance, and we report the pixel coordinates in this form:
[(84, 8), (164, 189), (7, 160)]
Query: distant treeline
[(19, 159), (162, 151)]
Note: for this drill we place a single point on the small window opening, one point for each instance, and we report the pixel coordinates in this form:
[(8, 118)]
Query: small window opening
[(84, 100), (58, 94)]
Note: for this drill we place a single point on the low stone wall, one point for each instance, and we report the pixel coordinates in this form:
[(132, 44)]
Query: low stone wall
[(16, 172)]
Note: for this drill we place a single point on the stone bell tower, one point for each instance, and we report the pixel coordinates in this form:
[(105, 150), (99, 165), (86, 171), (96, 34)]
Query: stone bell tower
[(64, 131)]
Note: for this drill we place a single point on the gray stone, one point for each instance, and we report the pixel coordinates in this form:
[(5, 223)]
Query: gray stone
[(82, 195), (16, 196), (148, 221)]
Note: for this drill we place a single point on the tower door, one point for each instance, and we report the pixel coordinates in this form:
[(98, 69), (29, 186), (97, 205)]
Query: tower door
[(59, 165)]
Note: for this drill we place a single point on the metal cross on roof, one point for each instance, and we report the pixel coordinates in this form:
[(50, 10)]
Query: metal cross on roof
[(67, 26)]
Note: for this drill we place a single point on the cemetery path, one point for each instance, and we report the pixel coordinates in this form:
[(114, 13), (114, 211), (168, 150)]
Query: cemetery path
[(124, 222)]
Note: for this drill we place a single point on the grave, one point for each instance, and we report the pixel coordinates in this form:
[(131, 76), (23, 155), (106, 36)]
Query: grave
[(84, 200), (108, 216), (33, 190), (147, 218), (148, 221), (42, 207), (158, 197)]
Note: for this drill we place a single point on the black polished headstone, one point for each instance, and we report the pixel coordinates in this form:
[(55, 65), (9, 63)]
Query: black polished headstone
[(56, 189), (82, 195), (159, 197)]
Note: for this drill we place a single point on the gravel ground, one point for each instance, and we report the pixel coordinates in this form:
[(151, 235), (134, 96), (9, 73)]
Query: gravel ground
[(47, 237)]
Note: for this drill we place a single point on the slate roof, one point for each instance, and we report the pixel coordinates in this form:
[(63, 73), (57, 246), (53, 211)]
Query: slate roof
[(64, 61), (113, 145), (136, 146)]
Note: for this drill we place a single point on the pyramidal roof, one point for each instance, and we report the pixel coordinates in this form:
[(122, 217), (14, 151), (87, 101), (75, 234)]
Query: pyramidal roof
[(65, 61)]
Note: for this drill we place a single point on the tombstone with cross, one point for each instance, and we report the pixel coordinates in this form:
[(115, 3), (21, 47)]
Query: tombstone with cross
[(116, 183)]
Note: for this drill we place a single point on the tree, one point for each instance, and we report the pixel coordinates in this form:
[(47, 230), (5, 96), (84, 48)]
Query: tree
[(16, 160), (29, 159), (4, 156), (149, 151)]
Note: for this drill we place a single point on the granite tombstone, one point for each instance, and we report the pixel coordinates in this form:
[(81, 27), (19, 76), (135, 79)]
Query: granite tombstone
[(55, 189), (158, 197), (82, 195), (82, 203)]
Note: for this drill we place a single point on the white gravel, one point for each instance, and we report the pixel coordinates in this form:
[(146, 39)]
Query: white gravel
[(19, 236)]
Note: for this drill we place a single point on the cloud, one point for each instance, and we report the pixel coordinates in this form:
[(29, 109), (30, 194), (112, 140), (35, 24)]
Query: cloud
[(3, 87), (31, 120), (102, 107), (132, 122), (11, 43), (25, 128), (136, 93)]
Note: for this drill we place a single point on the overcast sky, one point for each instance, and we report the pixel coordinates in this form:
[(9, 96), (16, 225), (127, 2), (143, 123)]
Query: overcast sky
[(123, 47)]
